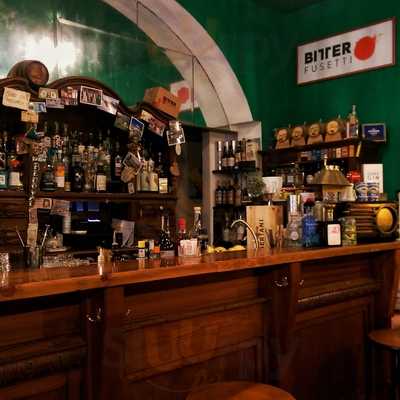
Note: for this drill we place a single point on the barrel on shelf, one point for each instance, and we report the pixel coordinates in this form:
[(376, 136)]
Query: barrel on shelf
[(33, 71)]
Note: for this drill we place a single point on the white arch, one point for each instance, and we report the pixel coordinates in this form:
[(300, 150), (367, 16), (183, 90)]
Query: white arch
[(170, 26)]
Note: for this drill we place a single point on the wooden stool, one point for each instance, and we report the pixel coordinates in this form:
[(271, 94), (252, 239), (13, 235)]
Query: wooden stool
[(240, 390), (389, 339)]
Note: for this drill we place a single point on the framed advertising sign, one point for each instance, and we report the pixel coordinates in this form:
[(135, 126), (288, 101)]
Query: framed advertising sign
[(367, 48)]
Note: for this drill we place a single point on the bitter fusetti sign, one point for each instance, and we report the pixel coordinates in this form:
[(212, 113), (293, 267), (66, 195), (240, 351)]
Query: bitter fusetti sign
[(367, 48)]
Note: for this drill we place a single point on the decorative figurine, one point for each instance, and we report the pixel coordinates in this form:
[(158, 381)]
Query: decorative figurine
[(315, 133), (282, 136), (298, 136), (334, 130)]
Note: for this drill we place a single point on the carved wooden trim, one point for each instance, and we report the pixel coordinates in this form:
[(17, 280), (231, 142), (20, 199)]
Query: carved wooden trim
[(131, 324), (16, 83), (336, 296), (42, 365), (77, 81)]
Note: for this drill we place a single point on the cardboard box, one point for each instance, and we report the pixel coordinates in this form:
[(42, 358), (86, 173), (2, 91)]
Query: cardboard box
[(163, 100)]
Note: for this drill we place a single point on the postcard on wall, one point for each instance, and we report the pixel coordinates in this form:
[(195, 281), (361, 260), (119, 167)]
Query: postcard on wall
[(37, 106), (109, 104), (69, 96), (136, 127), (122, 121), (47, 93), (16, 98), (54, 103), (30, 116), (92, 96)]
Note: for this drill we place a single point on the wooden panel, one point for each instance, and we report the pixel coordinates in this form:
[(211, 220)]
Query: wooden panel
[(189, 298), (329, 353), (40, 324), (330, 271), (158, 348), (240, 363), (48, 388)]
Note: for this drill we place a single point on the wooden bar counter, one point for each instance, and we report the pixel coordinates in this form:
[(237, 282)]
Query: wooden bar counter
[(297, 319)]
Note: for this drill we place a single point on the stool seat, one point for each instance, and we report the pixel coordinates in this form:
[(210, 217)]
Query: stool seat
[(386, 337), (240, 390)]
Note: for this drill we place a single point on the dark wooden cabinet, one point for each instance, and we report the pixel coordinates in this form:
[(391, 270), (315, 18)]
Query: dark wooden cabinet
[(301, 325)]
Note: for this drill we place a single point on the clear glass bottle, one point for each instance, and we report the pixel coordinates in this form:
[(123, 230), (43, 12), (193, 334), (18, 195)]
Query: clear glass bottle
[(101, 178), (352, 124)]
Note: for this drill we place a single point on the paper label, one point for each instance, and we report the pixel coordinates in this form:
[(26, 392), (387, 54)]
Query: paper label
[(29, 116), (16, 98)]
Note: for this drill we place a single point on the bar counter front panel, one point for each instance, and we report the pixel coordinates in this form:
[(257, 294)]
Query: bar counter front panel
[(157, 329)]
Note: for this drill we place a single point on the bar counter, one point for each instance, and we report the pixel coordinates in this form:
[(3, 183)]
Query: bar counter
[(156, 329), (28, 283)]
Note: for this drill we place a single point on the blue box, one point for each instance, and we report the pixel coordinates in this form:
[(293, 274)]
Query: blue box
[(374, 132)]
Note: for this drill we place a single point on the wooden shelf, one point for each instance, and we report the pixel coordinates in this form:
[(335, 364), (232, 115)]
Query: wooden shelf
[(310, 162), (230, 171), (322, 145), (12, 193), (106, 196)]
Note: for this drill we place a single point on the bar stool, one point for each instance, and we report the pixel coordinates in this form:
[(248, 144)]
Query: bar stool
[(389, 339), (239, 390)]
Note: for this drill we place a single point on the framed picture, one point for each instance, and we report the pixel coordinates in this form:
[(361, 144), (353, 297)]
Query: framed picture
[(91, 96), (374, 132)]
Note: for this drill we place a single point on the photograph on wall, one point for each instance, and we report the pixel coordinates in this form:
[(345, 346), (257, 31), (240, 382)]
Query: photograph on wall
[(47, 93), (359, 50), (136, 127), (69, 96), (109, 104), (122, 121), (92, 96)]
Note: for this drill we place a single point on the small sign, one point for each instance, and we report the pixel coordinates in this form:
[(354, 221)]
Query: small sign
[(374, 132), (16, 98), (47, 93), (367, 48), (154, 125)]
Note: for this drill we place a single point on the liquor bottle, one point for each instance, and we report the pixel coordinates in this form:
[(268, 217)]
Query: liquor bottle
[(166, 244), (238, 193), (59, 170), (224, 193), (240, 231), (243, 150), (238, 153), (218, 194), (310, 236), (162, 176), (66, 162), (153, 177), (90, 143), (181, 236), (294, 226), (81, 146), (3, 164), (101, 178), (198, 231), (56, 141), (231, 154), (48, 181), (226, 231), (225, 155), (117, 161), (331, 229), (77, 173), (145, 177), (230, 194), (352, 124)]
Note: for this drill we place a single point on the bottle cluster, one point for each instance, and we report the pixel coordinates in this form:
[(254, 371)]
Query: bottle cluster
[(11, 163), (230, 193)]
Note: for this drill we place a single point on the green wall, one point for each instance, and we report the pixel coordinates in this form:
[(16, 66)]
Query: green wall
[(375, 93)]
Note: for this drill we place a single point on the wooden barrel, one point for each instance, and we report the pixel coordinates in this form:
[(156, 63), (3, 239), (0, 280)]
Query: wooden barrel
[(33, 71)]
